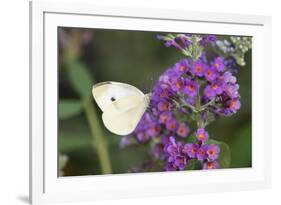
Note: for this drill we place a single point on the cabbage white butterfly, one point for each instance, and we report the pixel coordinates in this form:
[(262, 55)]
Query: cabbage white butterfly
[(122, 104)]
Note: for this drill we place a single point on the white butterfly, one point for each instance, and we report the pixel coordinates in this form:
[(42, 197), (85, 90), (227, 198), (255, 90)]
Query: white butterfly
[(122, 104)]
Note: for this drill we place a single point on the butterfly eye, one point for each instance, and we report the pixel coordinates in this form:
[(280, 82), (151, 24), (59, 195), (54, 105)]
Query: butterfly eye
[(112, 99)]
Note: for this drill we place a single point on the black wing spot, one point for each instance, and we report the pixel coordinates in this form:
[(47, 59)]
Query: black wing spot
[(112, 99)]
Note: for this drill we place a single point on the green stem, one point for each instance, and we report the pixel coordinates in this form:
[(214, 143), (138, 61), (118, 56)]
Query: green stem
[(190, 107), (194, 53), (198, 107), (99, 140), (203, 107)]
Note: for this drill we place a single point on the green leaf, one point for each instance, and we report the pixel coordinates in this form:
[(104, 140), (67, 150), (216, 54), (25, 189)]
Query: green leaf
[(241, 146), (193, 164), (224, 155), (69, 108), (191, 139), (80, 78)]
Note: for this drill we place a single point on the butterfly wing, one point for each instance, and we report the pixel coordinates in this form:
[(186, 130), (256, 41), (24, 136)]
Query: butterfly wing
[(106, 93), (125, 121), (123, 106)]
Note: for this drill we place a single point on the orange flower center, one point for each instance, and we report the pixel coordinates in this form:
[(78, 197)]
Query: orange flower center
[(179, 84), (216, 65), (215, 86), (182, 68), (172, 125), (198, 68), (201, 136), (194, 150), (181, 130), (211, 152), (233, 104), (164, 118), (166, 106), (209, 165), (191, 87)]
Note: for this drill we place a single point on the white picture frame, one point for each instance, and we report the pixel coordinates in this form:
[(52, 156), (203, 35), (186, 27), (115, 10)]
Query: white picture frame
[(46, 187)]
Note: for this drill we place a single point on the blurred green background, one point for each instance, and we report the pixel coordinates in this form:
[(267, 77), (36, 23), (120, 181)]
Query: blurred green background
[(87, 56)]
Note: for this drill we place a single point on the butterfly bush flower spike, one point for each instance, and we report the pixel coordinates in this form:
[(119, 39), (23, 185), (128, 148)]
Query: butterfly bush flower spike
[(187, 97)]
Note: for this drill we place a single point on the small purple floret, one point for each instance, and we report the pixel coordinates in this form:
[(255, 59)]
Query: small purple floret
[(183, 130), (202, 135), (213, 152), (211, 165), (191, 87), (202, 153), (199, 68), (190, 149), (218, 64)]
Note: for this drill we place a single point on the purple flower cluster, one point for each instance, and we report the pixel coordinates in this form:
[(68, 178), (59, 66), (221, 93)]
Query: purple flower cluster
[(180, 154), (163, 118), (184, 80), (147, 128), (188, 93), (222, 88), (179, 42), (183, 41)]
